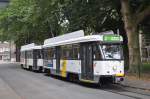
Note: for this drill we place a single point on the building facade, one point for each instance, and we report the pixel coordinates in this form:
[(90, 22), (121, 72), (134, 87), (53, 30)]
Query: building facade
[(7, 51), (145, 47), (4, 51)]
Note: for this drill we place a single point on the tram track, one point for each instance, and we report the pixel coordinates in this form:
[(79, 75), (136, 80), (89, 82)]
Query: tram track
[(126, 90), (113, 88)]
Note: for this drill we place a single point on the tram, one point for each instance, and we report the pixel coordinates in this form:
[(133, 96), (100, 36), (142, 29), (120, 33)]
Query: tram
[(92, 58), (31, 57)]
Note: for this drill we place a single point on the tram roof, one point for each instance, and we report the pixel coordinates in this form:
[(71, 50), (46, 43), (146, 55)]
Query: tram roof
[(31, 46), (75, 34), (89, 38)]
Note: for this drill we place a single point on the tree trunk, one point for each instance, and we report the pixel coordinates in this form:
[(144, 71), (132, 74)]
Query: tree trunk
[(126, 57), (17, 53), (133, 37)]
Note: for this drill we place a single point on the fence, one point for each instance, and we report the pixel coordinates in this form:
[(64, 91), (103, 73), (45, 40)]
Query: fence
[(145, 47)]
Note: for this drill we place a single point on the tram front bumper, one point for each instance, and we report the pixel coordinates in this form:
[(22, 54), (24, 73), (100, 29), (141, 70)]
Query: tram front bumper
[(119, 79)]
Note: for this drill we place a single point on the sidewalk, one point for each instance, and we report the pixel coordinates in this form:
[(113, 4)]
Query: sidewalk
[(2, 62), (135, 83), (5, 62)]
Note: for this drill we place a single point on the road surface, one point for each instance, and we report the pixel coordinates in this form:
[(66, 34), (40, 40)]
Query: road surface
[(17, 83)]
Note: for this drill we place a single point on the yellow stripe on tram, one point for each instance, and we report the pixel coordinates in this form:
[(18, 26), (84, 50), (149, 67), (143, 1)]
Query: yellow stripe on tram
[(87, 81), (64, 67), (119, 74)]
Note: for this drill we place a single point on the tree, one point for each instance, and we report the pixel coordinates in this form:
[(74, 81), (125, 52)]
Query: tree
[(30, 18), (91, 15), (24, 20), (132, 18), (30, 21)]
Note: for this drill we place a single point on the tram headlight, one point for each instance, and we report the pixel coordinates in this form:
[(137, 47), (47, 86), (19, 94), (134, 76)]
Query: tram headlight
[(114, 68)]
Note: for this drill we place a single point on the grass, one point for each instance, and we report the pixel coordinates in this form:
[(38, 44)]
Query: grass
[(144, 77), (145, 73), (145, 68)]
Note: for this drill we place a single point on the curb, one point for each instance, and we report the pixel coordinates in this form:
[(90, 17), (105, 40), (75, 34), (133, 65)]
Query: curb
[(124, 85)]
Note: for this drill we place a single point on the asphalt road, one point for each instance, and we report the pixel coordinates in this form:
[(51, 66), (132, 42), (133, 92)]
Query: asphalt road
[(17, 83)]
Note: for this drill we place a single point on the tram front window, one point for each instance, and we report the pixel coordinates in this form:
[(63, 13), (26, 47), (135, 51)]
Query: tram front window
[(112, 51)]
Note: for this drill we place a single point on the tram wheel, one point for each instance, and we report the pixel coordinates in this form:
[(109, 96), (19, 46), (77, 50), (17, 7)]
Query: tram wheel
[(22, 66), (30, 68), (48, 72), (40, 69), (99, 84), (73, 77)]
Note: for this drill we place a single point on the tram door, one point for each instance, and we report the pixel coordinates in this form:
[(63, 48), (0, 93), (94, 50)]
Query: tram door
[(35, 53), (25, 57), (86, 61), (57, 59)]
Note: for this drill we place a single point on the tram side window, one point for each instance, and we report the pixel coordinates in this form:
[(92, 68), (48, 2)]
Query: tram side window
[(22, 54), (66, 52), (76, 51), (51, 53), (39, 54), (45, 52), (96, 53), (29, 54)]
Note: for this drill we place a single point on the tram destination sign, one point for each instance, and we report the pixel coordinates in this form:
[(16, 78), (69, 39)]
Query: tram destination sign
[(111, 38)]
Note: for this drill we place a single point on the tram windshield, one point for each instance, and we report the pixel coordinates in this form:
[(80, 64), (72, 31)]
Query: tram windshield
[(112, 51)]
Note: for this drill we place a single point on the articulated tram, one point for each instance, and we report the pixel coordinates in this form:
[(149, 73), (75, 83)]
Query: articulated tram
[(92, 58), (32, 57)]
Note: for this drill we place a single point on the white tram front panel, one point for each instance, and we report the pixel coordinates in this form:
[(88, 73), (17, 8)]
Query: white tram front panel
[(29, 62), (22, 58), (22, 61), (39, 62), (115, 68)]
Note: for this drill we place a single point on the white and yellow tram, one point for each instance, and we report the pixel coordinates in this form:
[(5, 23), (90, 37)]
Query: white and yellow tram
[(31, 57), (92, 58)]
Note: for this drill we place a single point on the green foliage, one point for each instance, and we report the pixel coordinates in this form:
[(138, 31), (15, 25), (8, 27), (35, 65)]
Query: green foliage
[(145, 67), (91, 15), (27, 21)]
